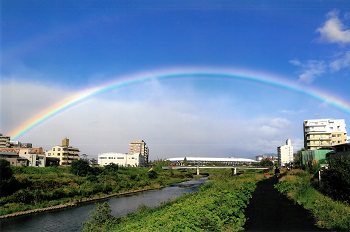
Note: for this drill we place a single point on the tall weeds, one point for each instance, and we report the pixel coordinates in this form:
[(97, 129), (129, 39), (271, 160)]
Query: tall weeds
[(330, 214)]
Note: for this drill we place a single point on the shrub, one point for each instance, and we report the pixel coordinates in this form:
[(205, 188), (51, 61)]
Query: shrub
[(328, 213), (152, 174), (80, 167), (101, 219), (336, 180)]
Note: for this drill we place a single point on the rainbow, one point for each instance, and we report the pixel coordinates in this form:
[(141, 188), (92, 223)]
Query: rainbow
[(177, 73)]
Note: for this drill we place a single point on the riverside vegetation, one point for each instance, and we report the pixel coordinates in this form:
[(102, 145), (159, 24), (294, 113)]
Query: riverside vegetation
[(28, 188), (328, 200), (218, 205)]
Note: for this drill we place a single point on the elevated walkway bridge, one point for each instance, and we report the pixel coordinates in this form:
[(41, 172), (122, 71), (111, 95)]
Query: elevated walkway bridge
[(209, 162), (233, 168)]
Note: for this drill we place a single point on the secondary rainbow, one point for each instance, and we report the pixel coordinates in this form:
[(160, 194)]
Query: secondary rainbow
[(177, 73)]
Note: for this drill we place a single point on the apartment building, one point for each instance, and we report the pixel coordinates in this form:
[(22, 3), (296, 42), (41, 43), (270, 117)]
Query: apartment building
[(35, 156), (324, 133), (285, 153), (139, 147), (65, 153), (126, 160), (4, 141)]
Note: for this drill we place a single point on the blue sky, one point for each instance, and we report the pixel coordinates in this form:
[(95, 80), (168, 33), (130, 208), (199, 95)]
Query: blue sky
[(51, 50)]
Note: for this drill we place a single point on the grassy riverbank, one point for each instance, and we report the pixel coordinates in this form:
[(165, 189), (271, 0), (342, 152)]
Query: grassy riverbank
[(330, 214), (217, 206), (37, 188)]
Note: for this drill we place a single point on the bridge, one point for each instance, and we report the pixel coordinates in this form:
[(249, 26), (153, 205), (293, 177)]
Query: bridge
[(207, 162), (233, 168)]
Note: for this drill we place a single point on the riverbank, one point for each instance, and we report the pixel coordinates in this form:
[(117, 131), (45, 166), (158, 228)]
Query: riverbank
[(71, 219), (53, 188), (75, 203)]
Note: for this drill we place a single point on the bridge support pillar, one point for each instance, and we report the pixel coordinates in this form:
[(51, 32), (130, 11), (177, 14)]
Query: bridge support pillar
[(197, 171), (234, 171)]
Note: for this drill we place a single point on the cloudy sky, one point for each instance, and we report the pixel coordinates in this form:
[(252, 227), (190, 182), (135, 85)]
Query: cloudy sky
[(53, 50)]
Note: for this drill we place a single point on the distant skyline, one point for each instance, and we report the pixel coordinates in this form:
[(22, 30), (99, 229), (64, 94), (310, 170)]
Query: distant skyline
[(83, 70)]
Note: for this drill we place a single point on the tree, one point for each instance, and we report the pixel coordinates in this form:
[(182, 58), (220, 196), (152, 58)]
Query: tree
[(185, 162), (101, 219), (112, 167), (152, 174), (80, 167), (266, 163), (336, 179), (5, 171), (298, 155), (8, 184)]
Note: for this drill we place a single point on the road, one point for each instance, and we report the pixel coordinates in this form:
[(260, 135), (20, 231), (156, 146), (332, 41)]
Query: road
[(271, 211)]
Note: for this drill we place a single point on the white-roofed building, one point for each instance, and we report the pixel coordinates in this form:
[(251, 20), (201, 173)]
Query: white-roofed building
[(121, 159)]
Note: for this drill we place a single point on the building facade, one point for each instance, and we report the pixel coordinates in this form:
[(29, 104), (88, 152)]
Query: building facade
[(35, 156), (126, 160), (285, 153), (14, 158), (65, 153), (324, 133), (139, 147), (4, 141)]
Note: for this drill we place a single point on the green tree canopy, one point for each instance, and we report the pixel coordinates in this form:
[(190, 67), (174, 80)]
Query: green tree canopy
[(266, 163), (5, 171), (80, 167)]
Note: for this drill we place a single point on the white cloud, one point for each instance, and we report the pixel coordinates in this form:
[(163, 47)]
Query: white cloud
[(342, 61), (333, 30), (310, 70), (181, 123)]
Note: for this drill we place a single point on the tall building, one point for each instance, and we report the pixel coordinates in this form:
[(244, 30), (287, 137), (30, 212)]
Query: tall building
[(65, 153), (140, 147), (4, 141), (285, 153), (324, 133)]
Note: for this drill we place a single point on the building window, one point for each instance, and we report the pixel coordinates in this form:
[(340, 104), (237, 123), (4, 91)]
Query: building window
[(53, 149), (58, 149), (58, 154)]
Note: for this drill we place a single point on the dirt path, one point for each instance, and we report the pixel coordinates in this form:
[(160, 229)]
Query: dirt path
[(271, 211)]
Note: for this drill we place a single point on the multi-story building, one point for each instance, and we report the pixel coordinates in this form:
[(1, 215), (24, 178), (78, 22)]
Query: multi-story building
[(4, 141), (35, 156), (139, 147), (126, 160), (324, 133), (285, 153), (13, 158), (65, 153)]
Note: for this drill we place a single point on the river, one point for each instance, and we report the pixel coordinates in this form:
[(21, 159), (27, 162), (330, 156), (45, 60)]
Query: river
[(71, 219)]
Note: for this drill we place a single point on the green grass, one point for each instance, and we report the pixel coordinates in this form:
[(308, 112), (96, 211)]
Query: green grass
[(217, 206), (330, 214), (44, 187)]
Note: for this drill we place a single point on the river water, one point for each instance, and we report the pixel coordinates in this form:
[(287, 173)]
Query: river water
[(71, 219)]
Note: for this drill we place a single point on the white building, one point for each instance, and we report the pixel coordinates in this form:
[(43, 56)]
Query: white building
[(285, 153), (121, 159), (324, 133)]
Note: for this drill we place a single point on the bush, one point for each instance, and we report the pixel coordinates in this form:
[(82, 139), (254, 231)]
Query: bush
[(80, 167), (328, 213), (336, 179), (101, 219), (152, 174)]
